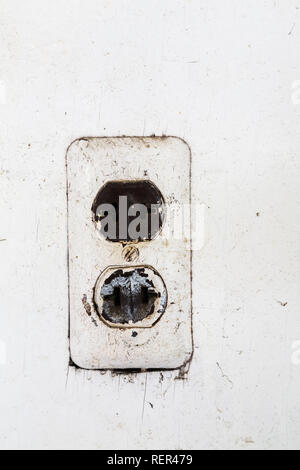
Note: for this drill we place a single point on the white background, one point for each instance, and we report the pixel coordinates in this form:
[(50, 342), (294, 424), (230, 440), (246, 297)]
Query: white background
[(218, 73)]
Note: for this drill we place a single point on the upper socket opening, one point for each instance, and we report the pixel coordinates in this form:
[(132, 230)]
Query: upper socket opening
[(129, 211)]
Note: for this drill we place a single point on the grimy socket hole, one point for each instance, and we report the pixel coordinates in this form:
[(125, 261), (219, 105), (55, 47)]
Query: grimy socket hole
[(129, 211), (128, 297)]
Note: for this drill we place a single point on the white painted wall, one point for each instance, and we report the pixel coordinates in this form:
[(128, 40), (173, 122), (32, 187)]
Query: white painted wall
[(218, 73)]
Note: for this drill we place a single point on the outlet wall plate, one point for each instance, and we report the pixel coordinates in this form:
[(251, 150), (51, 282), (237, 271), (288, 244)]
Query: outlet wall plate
[(163, 340)]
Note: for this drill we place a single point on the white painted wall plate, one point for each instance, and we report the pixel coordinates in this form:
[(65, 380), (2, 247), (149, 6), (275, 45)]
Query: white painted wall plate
[(163, 339)]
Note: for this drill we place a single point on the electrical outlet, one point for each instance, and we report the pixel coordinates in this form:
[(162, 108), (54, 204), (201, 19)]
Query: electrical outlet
[(130, 295)]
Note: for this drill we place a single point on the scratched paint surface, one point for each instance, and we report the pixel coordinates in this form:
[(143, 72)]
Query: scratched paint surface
[(223, 75)]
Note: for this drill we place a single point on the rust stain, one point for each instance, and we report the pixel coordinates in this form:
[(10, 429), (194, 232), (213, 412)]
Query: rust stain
[(283, 304), (86, 305)]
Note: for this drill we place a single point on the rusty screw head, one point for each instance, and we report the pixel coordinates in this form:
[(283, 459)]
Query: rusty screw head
[(130, 253)]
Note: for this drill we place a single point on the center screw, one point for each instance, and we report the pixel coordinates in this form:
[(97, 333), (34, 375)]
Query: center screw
[(130, 253)]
